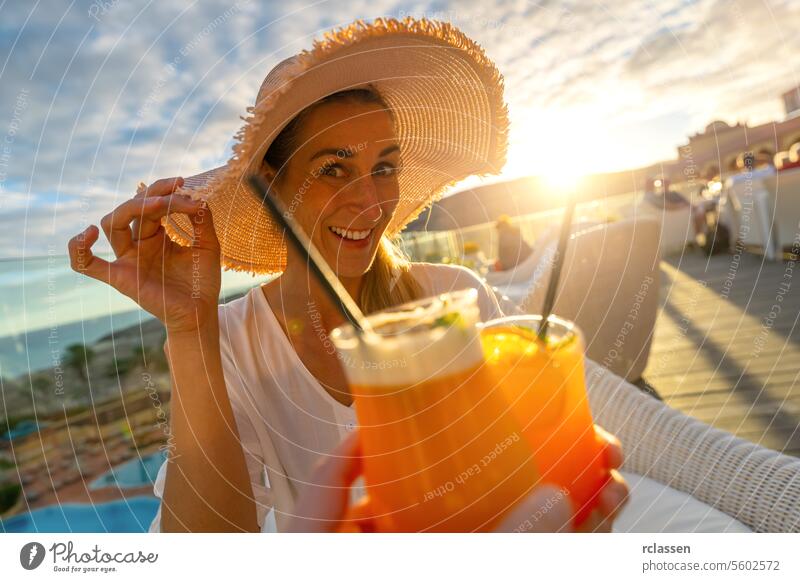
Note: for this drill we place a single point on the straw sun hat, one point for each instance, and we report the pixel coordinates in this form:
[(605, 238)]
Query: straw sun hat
[(451, 121)]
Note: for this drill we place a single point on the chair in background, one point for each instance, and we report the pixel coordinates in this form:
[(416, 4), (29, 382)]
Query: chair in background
[(609, 287), (676, 226), (513, 285), (784, 189), (745, 210)]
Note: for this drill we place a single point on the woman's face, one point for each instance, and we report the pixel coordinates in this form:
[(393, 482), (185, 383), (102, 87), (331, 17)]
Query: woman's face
[(341, 184)]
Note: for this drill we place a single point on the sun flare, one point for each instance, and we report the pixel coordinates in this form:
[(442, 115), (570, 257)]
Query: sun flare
[(544, 145)]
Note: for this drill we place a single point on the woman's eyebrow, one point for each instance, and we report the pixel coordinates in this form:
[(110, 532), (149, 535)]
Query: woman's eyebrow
[(339, 152), (389, 150), (349, 153)]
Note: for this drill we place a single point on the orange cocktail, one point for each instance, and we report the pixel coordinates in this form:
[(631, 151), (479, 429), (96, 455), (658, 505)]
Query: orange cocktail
[(442, 449), (544, 382)]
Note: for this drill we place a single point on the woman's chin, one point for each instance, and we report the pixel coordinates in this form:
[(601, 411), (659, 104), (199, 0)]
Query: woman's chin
[(349, 265), (350, 262), (351, 269)]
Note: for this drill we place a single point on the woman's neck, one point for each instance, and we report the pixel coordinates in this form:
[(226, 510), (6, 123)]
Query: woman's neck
[(302, 296), (307, 316)]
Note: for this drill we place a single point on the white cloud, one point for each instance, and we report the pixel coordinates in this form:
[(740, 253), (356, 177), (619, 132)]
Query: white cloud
[(105, 109)]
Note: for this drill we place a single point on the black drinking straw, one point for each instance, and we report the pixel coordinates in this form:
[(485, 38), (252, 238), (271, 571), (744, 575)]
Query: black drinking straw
[(298, 237), (555, 274)]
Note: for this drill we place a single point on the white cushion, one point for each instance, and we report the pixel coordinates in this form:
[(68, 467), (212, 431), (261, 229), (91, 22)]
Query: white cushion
[(656, 508)]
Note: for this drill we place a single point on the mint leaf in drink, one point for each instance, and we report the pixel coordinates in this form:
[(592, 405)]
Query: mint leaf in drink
[(448, 319)]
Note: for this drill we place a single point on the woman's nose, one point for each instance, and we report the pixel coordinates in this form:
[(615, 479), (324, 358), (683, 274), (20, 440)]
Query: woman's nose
[(365, 197)]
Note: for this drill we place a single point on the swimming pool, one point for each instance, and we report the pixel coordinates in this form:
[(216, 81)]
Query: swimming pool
[(134, 473), (22, 429), (123, 516)]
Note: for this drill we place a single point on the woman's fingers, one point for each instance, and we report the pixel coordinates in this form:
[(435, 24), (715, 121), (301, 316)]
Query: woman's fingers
[(203, 228), (147, 210), (613, 497), (160, 187), (117, 232), (323, 501), (612, 446), (595, 523), (145, 227), (81, 258), (610, 501), (547, 509)]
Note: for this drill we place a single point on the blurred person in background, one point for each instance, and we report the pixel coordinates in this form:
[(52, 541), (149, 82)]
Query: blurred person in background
[(511, 246)]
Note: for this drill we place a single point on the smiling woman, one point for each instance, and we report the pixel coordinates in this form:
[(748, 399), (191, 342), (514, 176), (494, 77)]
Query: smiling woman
[(357, 137)]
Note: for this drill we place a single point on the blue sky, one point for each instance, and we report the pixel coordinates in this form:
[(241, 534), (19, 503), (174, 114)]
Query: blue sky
[(97, 96)]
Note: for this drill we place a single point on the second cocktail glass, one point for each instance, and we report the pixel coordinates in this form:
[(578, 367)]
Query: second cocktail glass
[(545, 385)]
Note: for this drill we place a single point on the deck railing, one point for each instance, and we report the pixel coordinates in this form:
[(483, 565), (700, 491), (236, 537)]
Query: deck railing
[(448, 245)]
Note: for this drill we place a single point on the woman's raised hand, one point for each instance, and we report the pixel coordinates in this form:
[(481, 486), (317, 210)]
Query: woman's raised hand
[(179, 285)]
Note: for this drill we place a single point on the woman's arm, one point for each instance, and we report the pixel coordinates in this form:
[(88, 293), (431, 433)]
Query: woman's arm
[(207, 486)]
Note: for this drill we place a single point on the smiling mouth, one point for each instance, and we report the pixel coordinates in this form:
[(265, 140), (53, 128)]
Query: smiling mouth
[(353, 235)]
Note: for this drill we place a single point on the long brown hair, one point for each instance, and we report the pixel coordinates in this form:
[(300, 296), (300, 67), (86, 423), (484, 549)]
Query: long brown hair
[(388, 282)]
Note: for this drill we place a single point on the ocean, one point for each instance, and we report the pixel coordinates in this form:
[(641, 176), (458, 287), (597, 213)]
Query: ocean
[(46, 306)]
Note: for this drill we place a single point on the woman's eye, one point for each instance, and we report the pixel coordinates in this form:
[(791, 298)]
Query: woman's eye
[(386, 169), (334, 170)]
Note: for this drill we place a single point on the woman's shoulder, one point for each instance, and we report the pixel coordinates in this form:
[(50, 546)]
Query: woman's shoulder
[(239, 307), (442, 275), (239, 318)]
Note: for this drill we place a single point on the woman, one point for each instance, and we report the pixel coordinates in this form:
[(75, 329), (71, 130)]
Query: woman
[(259, 395)]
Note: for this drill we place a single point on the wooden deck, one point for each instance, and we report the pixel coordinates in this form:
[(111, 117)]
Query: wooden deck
[(726, 348)]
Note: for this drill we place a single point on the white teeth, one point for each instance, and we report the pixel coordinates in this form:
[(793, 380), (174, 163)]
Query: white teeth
[(351, 234)]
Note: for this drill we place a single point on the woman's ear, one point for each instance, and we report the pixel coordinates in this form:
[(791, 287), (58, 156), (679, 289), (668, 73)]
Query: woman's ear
[(272, 178), (267, 172)]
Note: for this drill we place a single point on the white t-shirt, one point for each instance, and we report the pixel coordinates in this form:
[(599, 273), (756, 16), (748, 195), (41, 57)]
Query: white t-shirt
[(285, 418)]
